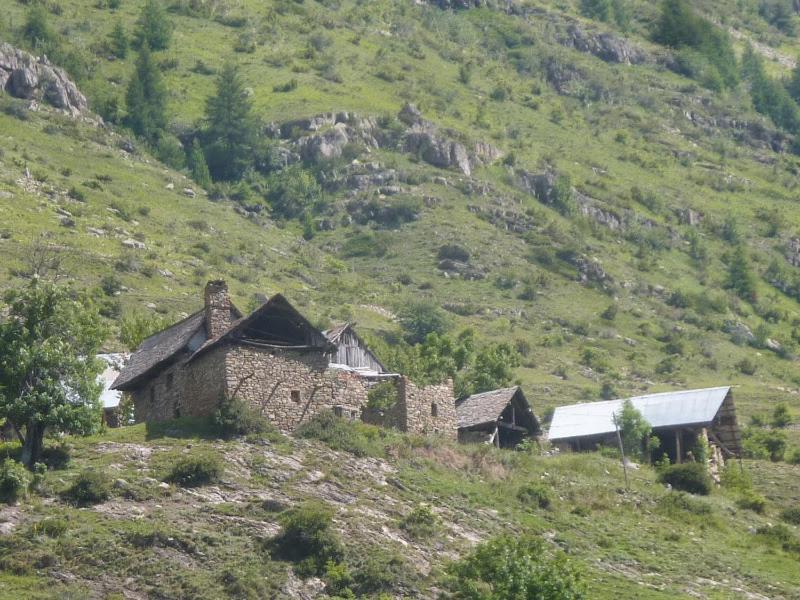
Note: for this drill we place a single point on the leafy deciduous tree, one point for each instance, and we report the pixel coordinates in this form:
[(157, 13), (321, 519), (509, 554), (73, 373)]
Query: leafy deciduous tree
[(48, 369)]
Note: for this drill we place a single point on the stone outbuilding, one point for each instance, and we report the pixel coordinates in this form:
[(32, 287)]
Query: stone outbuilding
[(501, 417), (274, 360)]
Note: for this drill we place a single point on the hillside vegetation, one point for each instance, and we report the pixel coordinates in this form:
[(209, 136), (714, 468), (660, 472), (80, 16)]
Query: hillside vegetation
[(403, 510), (602, 191)]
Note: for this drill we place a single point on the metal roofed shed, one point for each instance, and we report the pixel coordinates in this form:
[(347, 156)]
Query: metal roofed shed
[(501, 417), (686, 413)]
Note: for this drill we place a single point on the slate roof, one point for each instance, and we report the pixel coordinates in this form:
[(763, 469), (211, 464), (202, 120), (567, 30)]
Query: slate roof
[(276, 302), (668, 409), (158, 349), (483, 408)]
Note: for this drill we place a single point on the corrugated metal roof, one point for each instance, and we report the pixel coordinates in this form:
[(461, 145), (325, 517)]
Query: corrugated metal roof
[(668, 409)]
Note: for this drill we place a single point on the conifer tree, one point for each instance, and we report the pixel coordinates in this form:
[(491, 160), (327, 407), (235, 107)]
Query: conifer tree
[(740, 275), (146, 97), (153, 27), (198, 166), (118, 40), (230, 134)]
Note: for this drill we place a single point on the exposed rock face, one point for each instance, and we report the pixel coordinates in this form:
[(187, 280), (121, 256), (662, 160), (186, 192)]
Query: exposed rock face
[(25, 76), (437, 150), (793, 252), (740, 333), (604, 46)]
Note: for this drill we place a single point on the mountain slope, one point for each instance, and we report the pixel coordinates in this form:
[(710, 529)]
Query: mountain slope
[(669, 178)]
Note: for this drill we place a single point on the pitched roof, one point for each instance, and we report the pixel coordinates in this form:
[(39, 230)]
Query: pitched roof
[(158, 349), (667, 409), (334, 333), (486, 407), (276, 303)]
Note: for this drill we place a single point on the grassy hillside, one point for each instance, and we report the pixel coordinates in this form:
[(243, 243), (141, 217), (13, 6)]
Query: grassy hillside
[(640, 143), (163, 540)]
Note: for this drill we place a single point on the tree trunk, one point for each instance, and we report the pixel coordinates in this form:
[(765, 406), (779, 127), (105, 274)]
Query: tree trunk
[(32, 447)]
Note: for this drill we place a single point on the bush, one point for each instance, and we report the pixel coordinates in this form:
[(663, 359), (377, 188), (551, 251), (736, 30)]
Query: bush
[(510, 567), (764, 444), (780, 535), (306, 538), (453, 252), (791, 515), (689, 477), (676, 504), (51, 527), (91, 487), (420, 318), (751, 500), (196, 470), (336, 432), (793, 457), (781, 416), (421, 522), (234, 418), (14, 480), (535, 494)]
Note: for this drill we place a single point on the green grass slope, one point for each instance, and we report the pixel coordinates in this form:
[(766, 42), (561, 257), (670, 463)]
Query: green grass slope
[(641, 142), (158, 540)]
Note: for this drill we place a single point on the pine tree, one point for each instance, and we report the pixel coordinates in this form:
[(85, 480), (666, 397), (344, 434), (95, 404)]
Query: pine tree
[(198, 166), (118, 40), (153, 27), (230, 135), (146, 97), (740, 275)]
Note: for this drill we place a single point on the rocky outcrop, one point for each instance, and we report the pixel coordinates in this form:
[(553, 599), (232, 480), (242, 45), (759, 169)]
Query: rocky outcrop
[(793, 252), (603, 45), (33, 78), (437, 150)]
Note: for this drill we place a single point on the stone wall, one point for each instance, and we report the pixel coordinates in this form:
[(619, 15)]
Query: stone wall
[(183, 390), (427, 410), (217, 304), (289, 387)]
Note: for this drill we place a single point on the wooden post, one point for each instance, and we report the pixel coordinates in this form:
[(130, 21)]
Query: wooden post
[(621, 451), (678, 454)]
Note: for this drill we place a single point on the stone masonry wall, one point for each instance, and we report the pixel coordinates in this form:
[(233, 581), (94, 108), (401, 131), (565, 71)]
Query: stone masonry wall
[(429, 409), (183, 390), (289, 387)]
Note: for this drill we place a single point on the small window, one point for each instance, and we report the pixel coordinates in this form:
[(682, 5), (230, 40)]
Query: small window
[(152, 394), (338, 411), (295, 394), (170, 380), (434, 410)]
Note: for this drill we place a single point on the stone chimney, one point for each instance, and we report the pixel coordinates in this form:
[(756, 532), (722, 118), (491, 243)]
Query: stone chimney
[(218, 308)]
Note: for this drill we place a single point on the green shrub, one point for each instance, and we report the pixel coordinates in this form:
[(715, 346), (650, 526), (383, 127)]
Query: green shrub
[(91, 487), (306, 538), (52, 527), (453, 252), (421, 522), (793, 458), (336, 432), (196, 470), (234, 418), (780, 535), (791, 515), (764, 444), (14, 480), (676, 504), (689, 477), (751, 500), (514, 567), (535, 494)]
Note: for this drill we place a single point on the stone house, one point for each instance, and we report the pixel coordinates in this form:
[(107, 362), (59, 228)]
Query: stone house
[(273, 359), (501, 417)]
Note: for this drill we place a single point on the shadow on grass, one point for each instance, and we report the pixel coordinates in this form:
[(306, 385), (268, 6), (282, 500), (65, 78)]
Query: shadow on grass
[(183, 428)]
